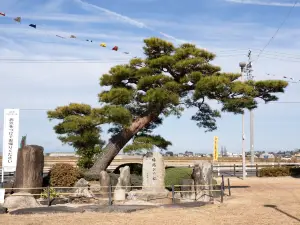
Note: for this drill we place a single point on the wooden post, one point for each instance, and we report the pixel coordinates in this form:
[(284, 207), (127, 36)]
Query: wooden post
[(223, 182), (229, 188), (109, 195), (222, 191), (173, 194), (49, 197), (234, 170), (29, 172), (256, 170)]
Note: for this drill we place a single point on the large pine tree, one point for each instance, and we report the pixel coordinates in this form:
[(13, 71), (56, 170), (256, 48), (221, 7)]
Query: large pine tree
[(169, 80)]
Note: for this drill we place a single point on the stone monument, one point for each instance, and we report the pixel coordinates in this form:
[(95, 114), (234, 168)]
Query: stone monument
[(153, 189), (29, 171), (153, 172)]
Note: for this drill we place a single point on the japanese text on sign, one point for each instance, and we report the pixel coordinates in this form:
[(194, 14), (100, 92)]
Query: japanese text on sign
[(10, 140), (154, 168)]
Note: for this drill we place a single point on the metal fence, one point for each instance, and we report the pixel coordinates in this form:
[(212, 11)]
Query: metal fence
[(251, 170)]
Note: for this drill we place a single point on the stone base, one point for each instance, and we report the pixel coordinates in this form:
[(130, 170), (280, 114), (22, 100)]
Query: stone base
[(159, 197), (119, 195)]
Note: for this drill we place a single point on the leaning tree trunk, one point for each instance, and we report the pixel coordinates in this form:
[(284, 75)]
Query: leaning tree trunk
[(117, 142), (29, 172)]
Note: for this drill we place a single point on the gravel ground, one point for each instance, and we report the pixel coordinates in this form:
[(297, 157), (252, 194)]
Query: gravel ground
[(265, 201)]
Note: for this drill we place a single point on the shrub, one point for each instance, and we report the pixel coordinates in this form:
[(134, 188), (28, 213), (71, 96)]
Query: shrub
[(275, 172), (136, 181), (295, 171), (135, 168), (174, 176), (53, 193), (63, 175)]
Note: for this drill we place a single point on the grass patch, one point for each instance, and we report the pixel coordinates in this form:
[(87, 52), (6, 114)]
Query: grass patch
[(175, 175)]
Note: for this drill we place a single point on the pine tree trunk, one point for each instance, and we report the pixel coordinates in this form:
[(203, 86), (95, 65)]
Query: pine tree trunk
[(117, 142), (29, 172)]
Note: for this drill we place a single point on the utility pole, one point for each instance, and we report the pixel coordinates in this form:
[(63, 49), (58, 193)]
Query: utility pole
[(243, 65), (249, 71)]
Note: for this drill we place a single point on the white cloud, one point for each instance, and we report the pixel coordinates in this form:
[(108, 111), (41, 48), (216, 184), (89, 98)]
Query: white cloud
[(126, 19), (285, 3)]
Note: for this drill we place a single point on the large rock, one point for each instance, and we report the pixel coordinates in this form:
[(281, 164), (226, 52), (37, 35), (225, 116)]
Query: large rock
[(24, 200), (29, 172), (124, 181), (104, 184), (202, 175), (82, 189), (188, 190)]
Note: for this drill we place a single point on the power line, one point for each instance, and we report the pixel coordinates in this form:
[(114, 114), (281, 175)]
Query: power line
[(11, 60), (280, 26), (261, 103)]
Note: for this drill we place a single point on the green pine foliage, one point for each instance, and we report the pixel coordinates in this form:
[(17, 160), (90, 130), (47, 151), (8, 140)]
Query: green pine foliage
[(165, 83), (80, 129)]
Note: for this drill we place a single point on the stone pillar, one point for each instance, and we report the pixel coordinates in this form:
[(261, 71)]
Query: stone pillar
[(29, 172), (124, 181), (104, 184), (202, 175)]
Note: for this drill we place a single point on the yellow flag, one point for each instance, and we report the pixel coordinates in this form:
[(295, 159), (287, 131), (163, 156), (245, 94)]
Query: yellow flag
[(103, 45), (216, 148)]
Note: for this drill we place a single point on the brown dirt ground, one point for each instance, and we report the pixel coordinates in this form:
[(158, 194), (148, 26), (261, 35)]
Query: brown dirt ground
[(246, 206)]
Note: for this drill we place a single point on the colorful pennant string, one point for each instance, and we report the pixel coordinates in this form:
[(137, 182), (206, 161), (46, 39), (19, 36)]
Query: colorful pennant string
[(104, 45)]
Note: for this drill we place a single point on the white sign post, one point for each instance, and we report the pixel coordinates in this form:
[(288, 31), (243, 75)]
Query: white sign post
[(10, 140), (2, 194)]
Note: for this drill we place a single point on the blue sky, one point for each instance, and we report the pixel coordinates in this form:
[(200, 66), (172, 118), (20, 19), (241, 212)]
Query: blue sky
[(227, 27)]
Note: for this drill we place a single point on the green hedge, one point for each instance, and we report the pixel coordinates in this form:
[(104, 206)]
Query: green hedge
[(175, 175), (279, 171)]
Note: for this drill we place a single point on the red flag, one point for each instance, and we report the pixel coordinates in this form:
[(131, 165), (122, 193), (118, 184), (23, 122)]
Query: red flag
[(115, 48), (2, 14)]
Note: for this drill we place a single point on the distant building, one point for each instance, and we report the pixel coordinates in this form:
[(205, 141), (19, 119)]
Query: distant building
[(233, 155), (297, 156), (188, 154), (169, 154), (267, 156), (62, 154)]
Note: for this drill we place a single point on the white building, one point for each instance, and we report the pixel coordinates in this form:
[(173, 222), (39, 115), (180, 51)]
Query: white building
[(267, 156)]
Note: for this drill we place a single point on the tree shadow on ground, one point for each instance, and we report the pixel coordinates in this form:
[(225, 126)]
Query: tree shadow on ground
[(281, 211)]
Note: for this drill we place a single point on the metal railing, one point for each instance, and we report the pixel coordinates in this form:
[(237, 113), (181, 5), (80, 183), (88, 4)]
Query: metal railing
[(233, 170), (107, 192)]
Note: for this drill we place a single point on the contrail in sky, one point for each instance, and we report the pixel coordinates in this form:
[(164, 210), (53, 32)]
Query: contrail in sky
[(126, 19)]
